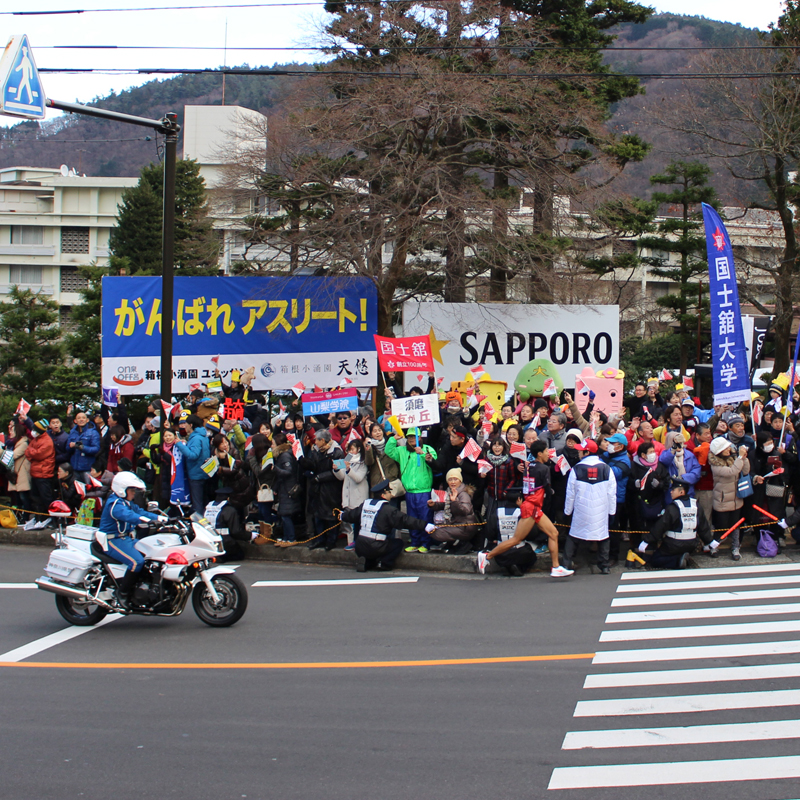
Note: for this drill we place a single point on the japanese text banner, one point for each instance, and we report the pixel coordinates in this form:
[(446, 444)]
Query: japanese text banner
[(329, 402), (289, 329), (416, 410), (729, 355), (409, 354)]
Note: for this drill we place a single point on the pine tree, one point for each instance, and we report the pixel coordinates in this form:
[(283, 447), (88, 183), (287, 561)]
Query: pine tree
[(32, 346), (683, 236), (135, 243)]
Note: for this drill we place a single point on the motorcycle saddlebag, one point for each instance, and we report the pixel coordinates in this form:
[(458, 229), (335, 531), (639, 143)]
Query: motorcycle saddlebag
[(68, 566)]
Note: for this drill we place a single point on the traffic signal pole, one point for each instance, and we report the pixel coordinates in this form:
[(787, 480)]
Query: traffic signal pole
[(170, 128)]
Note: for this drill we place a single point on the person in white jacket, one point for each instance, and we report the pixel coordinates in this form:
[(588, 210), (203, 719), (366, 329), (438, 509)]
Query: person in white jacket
[(591, 499)]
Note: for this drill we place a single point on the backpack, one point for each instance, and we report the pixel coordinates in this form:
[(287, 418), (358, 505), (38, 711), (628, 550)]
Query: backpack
[(767, 547)]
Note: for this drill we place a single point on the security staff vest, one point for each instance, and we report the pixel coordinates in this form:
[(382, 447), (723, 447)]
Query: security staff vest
[(507, 524), (687, 508), (369, 510)]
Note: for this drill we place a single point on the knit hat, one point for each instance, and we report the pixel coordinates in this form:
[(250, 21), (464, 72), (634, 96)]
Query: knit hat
[(454, 473), (734, 418), (575, 433), (41, 425), (155, 422), (719, 445)]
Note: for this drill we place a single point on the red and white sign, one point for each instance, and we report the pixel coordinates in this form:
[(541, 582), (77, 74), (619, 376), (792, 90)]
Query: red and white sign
[(518, 450), (471, 450), (408, 354), (23, 407)]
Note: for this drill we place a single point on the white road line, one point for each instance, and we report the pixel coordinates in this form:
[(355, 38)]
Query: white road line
[(707, 597), (361, 582), (699, 651), (674, 772), (692, 734), (632, 706), (18, 586), (704, 573), (691, 631), (687, 676), (712, 584), (701, 613), (46, 642)]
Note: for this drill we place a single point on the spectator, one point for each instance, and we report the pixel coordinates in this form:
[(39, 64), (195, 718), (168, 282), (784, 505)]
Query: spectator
[(458, 528), (231, 474), (286, 488), (84, 445), (555, 437), (60, 439), (325, 488), (503, 477), (19, 474), (727, 468), (65, 485), (196, 452), (120, 446), (381, 467), (355, 488), (680, 463), (41, 453)]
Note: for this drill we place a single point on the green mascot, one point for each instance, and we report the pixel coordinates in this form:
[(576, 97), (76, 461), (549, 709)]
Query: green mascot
[(529, 382)]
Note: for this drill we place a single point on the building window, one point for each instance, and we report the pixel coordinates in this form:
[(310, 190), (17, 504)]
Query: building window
[(27, 234), (72, 280), (27, 274), (74, 240)]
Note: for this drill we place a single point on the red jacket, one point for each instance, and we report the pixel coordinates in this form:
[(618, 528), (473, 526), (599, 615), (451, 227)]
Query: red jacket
[(122, 449), (41, 453)]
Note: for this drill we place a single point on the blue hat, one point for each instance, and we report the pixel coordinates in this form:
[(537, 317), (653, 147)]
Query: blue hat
[(380, 488), (618, 438)]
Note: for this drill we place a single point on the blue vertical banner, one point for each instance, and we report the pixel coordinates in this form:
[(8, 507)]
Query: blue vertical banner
[(729, 355)]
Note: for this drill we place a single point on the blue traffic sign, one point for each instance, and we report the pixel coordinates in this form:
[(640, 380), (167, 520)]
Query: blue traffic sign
[(22, 92)]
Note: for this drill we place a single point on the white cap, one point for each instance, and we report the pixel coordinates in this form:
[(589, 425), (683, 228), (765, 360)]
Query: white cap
[(719, 445)]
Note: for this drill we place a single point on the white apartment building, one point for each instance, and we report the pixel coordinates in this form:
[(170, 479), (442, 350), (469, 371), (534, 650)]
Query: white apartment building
[(52, 222)]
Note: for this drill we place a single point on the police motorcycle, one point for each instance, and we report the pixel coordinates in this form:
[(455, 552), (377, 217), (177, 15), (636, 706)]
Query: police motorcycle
[(178, 563)]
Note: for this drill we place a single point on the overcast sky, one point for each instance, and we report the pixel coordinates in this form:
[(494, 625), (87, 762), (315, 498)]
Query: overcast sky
[(276, 27)]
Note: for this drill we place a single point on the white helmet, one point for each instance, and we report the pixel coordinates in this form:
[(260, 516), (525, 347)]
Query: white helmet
[(124, 481)]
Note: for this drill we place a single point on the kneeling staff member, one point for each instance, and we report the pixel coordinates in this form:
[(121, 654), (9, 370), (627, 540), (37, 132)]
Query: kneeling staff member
[(515, 555), (376, 545), (677, 531)]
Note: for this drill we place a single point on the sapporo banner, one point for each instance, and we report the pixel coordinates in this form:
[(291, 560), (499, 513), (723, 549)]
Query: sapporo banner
[(504, 337), (729, 354), (316, 330)]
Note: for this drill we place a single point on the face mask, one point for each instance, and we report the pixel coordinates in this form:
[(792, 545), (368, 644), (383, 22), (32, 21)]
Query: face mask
[(453, 409), (768, 448), (650, 458)]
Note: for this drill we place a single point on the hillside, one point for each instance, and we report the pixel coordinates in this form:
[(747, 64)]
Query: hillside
[(102, 148)]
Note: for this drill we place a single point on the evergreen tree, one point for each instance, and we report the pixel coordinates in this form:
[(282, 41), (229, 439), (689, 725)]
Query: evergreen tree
[(32, 346), (682, 235), (135, 244)]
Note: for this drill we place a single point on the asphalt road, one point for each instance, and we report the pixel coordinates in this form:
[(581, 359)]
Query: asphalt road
[(475, 730)]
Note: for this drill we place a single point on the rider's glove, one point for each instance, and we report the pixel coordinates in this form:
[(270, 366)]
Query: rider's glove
[(430, 528), (783, 523), (642, 547), (162, 519), (714, 544)]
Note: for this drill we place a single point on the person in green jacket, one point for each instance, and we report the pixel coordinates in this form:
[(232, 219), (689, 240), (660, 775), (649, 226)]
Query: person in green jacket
[(235, 435), (417, 477)]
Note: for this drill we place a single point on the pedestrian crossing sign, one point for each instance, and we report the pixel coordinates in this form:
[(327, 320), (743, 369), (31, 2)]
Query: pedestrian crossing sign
[(22, 92)]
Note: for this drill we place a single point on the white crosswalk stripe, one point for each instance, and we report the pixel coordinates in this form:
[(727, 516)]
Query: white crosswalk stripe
[(747, 648)]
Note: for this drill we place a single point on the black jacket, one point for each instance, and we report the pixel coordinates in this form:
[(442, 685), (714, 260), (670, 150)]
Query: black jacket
[(670, 520), (324, 488), (387, 519)]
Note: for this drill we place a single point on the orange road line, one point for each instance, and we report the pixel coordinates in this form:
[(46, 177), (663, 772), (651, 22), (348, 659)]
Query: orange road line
[(302, 665)]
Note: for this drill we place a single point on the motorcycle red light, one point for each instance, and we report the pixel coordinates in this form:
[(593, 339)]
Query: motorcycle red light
[(176, 558)]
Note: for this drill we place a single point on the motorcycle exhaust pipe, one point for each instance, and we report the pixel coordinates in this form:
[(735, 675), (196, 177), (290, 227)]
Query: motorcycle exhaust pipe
[(68, 591)]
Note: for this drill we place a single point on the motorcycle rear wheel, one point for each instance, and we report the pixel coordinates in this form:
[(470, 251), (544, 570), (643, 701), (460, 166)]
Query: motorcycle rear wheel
[(77, 612), (232, 605)]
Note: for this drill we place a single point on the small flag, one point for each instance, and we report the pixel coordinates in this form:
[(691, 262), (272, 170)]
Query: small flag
[(664, 375), (471, 450), (281, 406), (194, 386), (776, 471), (291, 438), (299, 388), (470, 392), (551, 453), (110, 396), (484, 467), (688, 383), (579, 384), (439, 381), (214, 386), (487, 427), (346, 382), (518, 450), (177, 410), (23, 407), (95, 482), (562, 465), (317, 388), (210, 466), (488, 409), (549, 388), (167, 408), (592, 430), (477, 372), (438, 495), (215, 360), (80, 488), (297, 449), (353, 436), (758, 413), (420, 378)]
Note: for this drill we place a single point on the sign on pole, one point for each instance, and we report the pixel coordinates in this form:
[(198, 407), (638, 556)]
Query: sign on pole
[(416, 410), (315, 403), (22, 91)]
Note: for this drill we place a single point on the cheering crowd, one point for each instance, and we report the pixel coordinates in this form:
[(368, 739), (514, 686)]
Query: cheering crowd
[(664, 479)]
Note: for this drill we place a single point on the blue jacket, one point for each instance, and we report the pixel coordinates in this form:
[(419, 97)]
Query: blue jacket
[(196, 450), (120, 517), (691, 466), (82, 458), (620, 464)]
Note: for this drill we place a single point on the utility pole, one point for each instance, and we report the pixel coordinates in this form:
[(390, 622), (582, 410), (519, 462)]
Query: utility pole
[(170, 128)]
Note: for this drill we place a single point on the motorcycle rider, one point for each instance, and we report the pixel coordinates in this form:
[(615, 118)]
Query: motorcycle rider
[(118, 522)]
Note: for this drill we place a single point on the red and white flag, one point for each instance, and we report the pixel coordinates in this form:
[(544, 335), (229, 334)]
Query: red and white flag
[(592, 430), (299, 388), (484, 467), (438, 495), (562, 465), (80, 488), (487, 427), (758, 413), (471, 450), (297, 449), (353, 436), (177, 410), (291, 438), (420, 378), (346, 382), (215, 360), (316, 388), (688, 383), (549, 388), (518, 450), (488, 409), (664, 375), (23, 407), (281, 406), (439, 381), (551, 453), (167, 408), (776, 471), (193, 386), (477, 372)]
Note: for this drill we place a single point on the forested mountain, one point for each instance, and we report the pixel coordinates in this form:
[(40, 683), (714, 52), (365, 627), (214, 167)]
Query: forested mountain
[(102, 148)]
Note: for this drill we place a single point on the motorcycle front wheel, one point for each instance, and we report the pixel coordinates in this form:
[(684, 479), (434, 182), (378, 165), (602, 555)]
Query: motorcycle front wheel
[(232, 601), (77, 612)]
